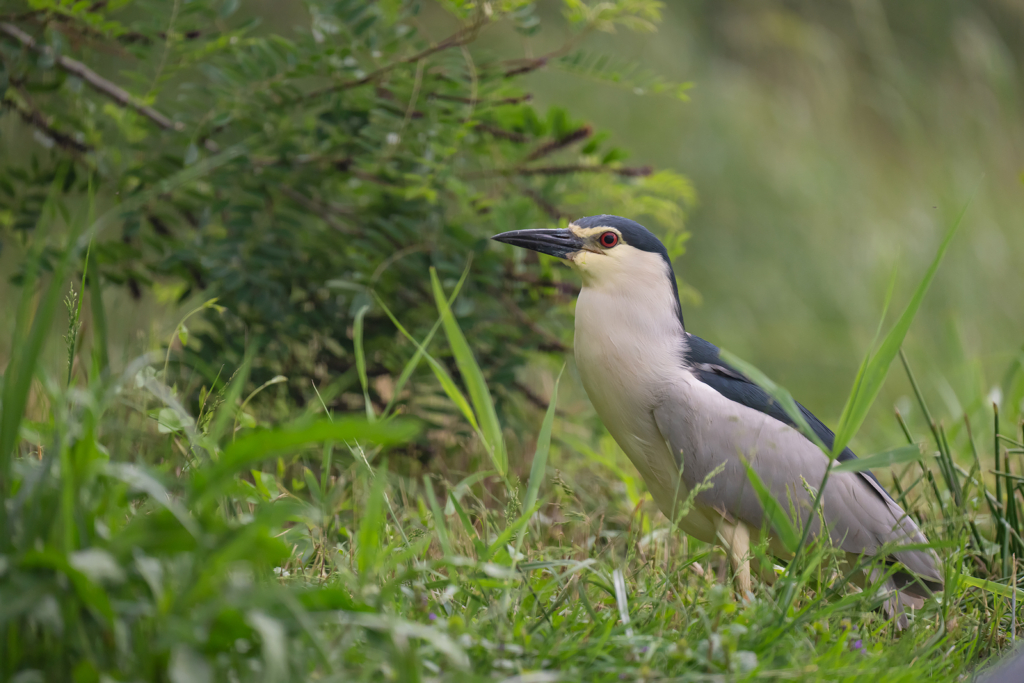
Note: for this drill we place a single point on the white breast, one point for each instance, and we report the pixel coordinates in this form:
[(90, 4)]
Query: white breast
[(628, 347)]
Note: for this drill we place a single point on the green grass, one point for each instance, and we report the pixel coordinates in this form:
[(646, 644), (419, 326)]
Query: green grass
[(144, 543)]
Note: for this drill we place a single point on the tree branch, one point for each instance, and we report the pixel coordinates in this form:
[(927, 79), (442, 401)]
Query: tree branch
[(35, 118), (97, 82), (461, 37), (552, 146), (313, 206), (566, 288), (544, 205), (551, 342), (629, 171)]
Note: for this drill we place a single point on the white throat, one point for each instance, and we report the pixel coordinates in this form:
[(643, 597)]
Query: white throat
[(629, 338), (629, 352)]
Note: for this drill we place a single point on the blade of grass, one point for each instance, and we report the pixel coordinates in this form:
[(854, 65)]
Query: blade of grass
[(780, 522), (100, 353), (868, 383), (269, 383), (440, 527), (778, 393), (446, 381), (540, 457), (261, 444), (357, 339), (866, 387), (478, 543), (895, 456), (473, 377), (26, 348), (181, 331), (370, 525), (992, 587), (414, 362)]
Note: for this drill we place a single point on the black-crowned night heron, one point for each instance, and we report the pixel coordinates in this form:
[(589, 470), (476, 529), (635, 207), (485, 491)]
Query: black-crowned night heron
[(679, 412)]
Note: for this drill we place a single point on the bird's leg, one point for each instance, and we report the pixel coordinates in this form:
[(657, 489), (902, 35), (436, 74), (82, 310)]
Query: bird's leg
[(765, 570), (735, 536)]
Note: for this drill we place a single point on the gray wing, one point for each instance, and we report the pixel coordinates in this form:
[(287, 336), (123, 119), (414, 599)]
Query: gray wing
[(706, 363), (704, 429)]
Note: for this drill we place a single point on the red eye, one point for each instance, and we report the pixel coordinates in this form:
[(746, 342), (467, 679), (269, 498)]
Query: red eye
[(609, 240)]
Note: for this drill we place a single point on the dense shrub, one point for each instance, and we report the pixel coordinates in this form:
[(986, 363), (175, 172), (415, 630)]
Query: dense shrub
[(347, 156)]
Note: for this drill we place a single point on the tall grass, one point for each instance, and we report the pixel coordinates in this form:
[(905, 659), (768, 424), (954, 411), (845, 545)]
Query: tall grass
[(143, 543)]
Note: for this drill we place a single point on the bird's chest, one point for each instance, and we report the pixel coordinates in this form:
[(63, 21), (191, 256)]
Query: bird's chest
[(620, 356), (626, 354)]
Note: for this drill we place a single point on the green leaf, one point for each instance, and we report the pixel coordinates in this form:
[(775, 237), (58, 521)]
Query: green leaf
[(780, 522), (27, 342), (873, 371), (88, 592), (371, 524), (414, 362), (447, 383), (540, 455), (993, 587), (479, 394), (506, 534), (440, 526), (139, 479), (467, 525), (357, 339), (188, 666), (273, 645), (400, 629), (259, 445), (895, 456)]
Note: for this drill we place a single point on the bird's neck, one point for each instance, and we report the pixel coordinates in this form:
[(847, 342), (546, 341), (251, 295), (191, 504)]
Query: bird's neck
[(629, 323)]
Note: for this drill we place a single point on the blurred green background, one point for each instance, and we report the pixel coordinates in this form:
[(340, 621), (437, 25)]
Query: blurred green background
[(830, 144)]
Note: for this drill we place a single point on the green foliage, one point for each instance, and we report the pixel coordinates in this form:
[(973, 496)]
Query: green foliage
[(292, 553), (331, 163), (147, 533)]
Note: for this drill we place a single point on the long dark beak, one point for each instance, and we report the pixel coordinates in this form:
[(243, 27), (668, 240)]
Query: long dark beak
[(558, 243)]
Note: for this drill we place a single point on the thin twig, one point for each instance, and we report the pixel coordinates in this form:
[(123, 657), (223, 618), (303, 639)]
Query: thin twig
[(167, 46), (97, 82), (460, 38), (551, 342), (35, 118), (552, 146), (544, 205), (502, 133), (535, 399), (628, 171), (484, 102), (317, 208), (567, 288)]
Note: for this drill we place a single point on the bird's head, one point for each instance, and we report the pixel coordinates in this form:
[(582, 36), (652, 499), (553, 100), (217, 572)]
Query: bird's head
[(608, 251), (605, 249)]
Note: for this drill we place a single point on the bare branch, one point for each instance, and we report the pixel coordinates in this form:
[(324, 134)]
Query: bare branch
[(544, 205), (551, 342), (581, 133), (36, 119), (76, 68), (534, 398), (460, 38), (315, 207), (566, 288), (484, 102), (629, 171)]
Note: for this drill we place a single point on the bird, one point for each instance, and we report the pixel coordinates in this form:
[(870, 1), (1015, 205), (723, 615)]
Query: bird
[(691, 422)]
